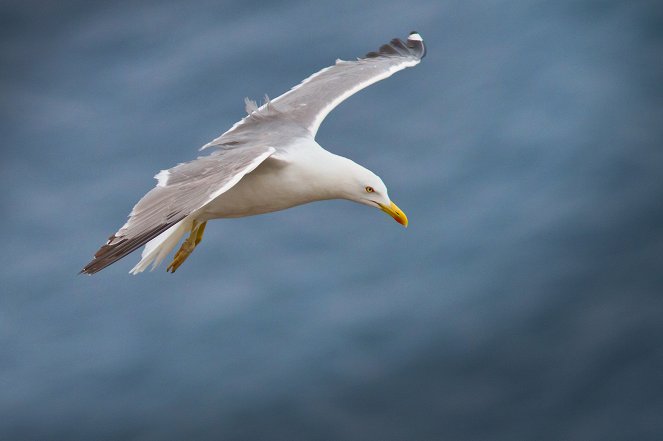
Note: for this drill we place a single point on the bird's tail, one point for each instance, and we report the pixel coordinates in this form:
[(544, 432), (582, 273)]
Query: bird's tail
[(158, 248)]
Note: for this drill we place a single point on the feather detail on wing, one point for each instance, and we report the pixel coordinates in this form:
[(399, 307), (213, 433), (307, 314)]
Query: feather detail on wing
[(308, 103), (180, 192)]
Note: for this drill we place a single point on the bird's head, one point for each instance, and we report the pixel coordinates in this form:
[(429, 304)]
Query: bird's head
[(365, 187)]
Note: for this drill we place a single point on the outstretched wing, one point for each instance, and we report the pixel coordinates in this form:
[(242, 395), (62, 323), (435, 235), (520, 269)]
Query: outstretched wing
[(180, 191), (308, 103)]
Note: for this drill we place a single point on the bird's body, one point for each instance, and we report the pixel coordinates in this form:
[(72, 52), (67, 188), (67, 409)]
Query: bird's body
[(266, 162), (304, 172)]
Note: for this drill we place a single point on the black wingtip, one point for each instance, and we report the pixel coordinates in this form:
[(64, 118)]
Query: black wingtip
[(413, 47)]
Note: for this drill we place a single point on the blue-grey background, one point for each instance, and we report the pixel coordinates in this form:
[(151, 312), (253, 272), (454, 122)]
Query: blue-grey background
[(524, 301)]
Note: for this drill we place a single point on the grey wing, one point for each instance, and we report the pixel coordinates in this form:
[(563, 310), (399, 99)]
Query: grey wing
[(307, 104), (180, 191)]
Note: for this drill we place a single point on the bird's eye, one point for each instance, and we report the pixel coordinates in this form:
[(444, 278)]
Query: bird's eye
[(369, 189)]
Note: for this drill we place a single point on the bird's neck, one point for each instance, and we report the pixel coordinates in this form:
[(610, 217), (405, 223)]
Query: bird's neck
[(328, 175)]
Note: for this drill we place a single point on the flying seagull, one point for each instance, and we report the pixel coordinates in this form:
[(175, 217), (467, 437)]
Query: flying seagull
[(266, 162)]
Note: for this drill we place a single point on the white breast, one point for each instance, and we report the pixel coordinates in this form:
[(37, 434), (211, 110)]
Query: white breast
[(294, 177)]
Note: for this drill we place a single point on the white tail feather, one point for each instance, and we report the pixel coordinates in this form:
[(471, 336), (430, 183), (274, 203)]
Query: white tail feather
[(158, 248)]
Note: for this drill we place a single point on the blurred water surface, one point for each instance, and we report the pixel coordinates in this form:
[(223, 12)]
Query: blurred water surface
[(524, 301)]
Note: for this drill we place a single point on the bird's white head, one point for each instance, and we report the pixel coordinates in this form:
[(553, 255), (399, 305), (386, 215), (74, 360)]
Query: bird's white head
[(365, 187)]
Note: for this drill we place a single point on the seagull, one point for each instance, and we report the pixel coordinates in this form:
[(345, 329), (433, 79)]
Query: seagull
[(266, 162)]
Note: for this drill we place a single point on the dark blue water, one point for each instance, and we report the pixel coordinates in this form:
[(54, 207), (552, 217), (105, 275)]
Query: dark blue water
[(524, 301)]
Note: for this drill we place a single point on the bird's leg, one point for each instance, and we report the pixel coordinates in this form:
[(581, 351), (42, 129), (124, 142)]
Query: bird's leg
[(189, 244), (199, 233)]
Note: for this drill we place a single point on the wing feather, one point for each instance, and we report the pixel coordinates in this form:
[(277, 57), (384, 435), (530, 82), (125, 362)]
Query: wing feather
[(308, 103), (180, 191)]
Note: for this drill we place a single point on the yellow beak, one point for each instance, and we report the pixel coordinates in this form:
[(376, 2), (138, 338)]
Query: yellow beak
[(395, 212)]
